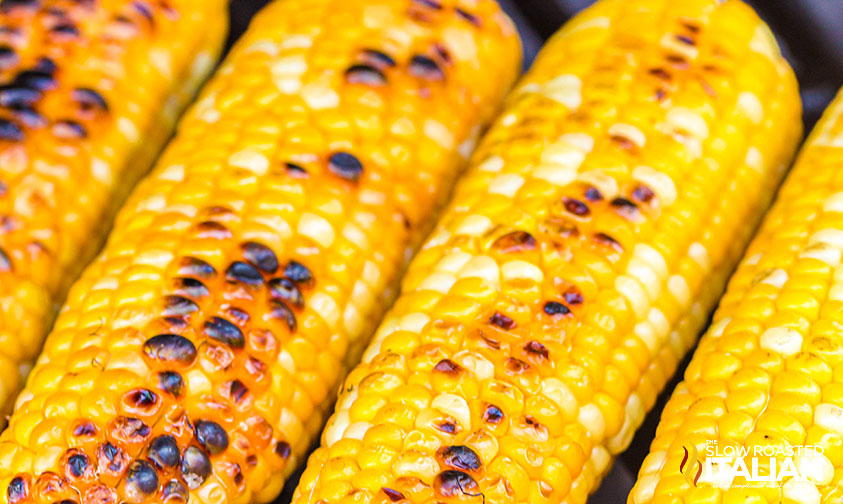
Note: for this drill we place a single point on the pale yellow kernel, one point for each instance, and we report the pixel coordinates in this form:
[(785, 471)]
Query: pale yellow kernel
[(822, 252), (777, 278), (679, 289), (198, 382), (635, 413), (491, 164), (250, 160), (521, 270), (815, 466), (453, 262), (687, 122), (753, 259), (829, 416), (582, 141), (564, 154), (439, 133), (506, 185), (782, 340), (320, 95), (413, 464), (836, 292), (483, 267), (413, 322), (591, 418), (644, 489), (288, 66), (316, 228), (830, 236), (754, 159), (438, 282), (699, 254), (476, 363), (473, 225), (629, 132), (101, 170), (128, 129), (833, 203), (641, 271), (634, 292), (750, 106), (801, 492), (658, 181), (558, 175), (455, 406), (556, 390), (565, 89), (335, 428), (600, 458), (326, 307), (356, 430), (652, 257), (605, 183), (717, 328)]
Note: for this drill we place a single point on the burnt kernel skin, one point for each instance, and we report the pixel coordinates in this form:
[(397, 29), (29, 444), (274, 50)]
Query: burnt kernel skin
[(17, 490), (555, 308), (459, 457), (211, 436), (365, 74), (426, 68), (246, 268)]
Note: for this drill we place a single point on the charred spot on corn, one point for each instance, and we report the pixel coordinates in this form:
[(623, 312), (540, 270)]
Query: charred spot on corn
[(377, 59), (89, 99), (492, 415), (17, 490), (175, 491), (163, 451), (141, 400), (426, 68), (9, 130), (459, 457), (282, 449), (211, 436), (260, 256), (345, 165), (514, 242), (295, 170), (452, 483), (18, 97), (593, 194), (537, 350), (191, 266), (431, 4), (111, 459), (244, 273), (392, 495), (5, 262), (608, 241), (237, 391), (220, 329), (625, 208), (171, 383), (448, 367), (177, 306), (213, 230), (84, 429), (283, 289), (129, 429), (471, 18), (643, 194), (298, 273), (575, 207), (170, 348), (191, 288), (195, 467), (8, 57), (141, 481), (502, 321), (573, 297), (280, 311), (556, 308), (362, 73)]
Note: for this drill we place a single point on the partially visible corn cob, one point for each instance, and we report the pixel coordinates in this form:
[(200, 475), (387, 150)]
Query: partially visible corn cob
[(196, 358), (89, 92), (576, 264), (767, 375)]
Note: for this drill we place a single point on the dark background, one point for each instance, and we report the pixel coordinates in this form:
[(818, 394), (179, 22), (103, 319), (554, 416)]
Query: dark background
[(811, 35)]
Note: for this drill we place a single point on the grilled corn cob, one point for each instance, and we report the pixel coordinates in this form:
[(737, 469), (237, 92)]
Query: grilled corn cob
[(573, 268), (766, 376), (195, 359), (89, 91)]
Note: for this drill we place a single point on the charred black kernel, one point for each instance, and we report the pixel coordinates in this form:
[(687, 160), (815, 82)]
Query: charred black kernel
[(281, 311), (29, 117), (678, 61), (502, 321), (460, 457), (66, 501), (10, 131), (593, 194), (85, 429), (365, 74), (5, 262), (576, 207), (433, 4), (453, 483), (392, 495), (67, 128), (141, 481), (175, 323), (448, 367), (516, 366), (111, 459), (77, 464), (516, 241), (471, 18), (65, 28), (175, 491), (537, 349), (282, 449), (660, 73), (261, 256), (176, 306), (8, 56), (554, 308), (18, 97), (295, 170), (17, 490), (141, 398), (573, 297), (237, 315), (244, 273), (11, 4), (237, 391), (170, 348), (298, 272), (493, 414), (643, 193), (345, 165), (604, 239), (46, 65), (191, 288), (144, 10), (89, 99), (164, 452), (195, 467), (38, 80), (130, 429), (447, 427), (377, 58), (443, 53), (426, 68), (285, 290), (196, 267), (171, 382), (3, 188), (625, 207), (222, 330)]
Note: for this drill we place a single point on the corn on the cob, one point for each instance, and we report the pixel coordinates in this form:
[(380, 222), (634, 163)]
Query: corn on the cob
[(574, 266), (89, 91), (196, 358), (767, 377)]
